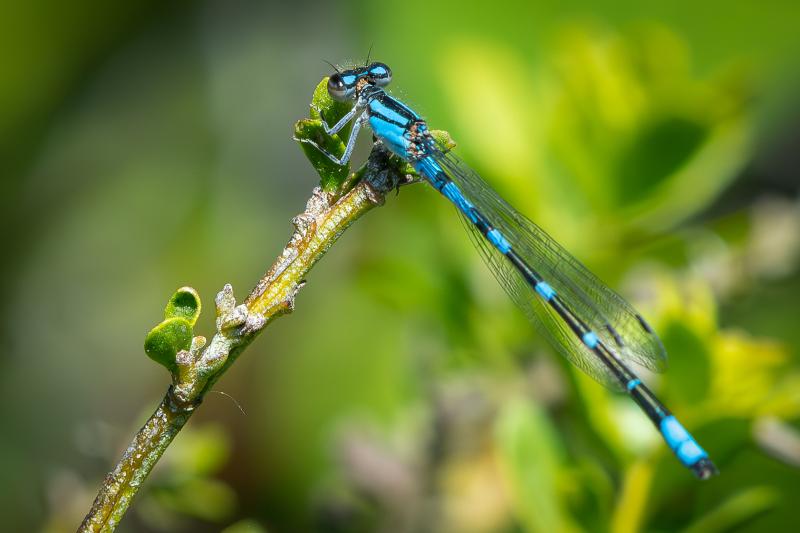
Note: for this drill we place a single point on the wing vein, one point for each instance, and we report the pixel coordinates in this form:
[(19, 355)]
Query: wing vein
[(612, 319)]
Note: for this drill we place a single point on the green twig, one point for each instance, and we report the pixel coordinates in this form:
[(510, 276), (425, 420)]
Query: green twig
[(195, 369), (342, 198)]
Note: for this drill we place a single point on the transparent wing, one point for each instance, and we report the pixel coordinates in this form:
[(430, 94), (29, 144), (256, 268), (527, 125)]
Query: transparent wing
[(613, 319)]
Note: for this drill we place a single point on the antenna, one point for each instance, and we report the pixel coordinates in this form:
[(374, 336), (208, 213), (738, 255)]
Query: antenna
[(369, 53), (332, 66)]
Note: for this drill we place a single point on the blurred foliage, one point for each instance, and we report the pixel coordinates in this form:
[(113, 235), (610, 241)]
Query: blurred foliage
[(657, 145), (657, 142)]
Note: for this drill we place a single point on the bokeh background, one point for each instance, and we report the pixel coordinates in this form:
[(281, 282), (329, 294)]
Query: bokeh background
[(145, 146)]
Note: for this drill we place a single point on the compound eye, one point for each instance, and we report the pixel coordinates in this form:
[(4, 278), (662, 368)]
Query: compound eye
[(380, 74), (337, 89)]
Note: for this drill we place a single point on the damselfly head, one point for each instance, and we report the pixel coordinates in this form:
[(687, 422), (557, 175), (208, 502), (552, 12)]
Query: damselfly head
[(343, 85)]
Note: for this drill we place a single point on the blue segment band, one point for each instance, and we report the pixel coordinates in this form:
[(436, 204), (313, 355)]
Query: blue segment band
[(590, 339), (682, 443), (497, 239), (632, 384), (545, 291), (453, 193), (431, 170)]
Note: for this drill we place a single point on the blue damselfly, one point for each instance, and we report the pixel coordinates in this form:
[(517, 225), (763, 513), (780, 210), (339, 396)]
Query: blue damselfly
[(589, 323)]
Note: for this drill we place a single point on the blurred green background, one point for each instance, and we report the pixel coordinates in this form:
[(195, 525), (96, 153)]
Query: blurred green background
[(147, 146)]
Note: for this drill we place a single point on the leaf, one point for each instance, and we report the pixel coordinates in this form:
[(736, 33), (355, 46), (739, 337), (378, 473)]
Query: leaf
[(737, 510), (166, 339), (323, 107), (531, 459), (331, 175), (689, 363), (185, 303)]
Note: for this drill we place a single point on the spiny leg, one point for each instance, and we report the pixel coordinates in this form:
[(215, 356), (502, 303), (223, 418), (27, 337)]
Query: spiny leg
[(331, 130), (342, 121), (351, 142)]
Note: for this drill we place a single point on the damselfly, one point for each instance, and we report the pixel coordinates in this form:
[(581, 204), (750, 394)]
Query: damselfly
[(590, 324)]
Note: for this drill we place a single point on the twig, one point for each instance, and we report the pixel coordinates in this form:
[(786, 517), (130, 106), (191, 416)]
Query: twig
[(195, 370)]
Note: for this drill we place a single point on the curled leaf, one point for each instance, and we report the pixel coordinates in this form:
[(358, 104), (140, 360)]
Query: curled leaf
[(311, 130), (185, 303), (165, 340), (308, 131)]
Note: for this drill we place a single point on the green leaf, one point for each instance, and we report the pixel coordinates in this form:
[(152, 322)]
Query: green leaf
[(166, 339), (737, 510), (185, 303), (203, 498), (244, 526), (443, 140), (531, 459), (324, 108), (331, 175), (659, 151), (201, 452), (689, 363)]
